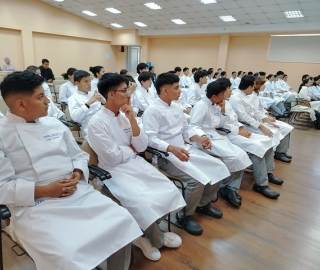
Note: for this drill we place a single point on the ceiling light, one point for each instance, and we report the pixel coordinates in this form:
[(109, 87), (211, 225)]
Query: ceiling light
[(113, 10), (140, 24), (178, 21), (58, 0), (116, 25), (227, 18), (152, 5), (293, 14), (208, 1), (89, 13)]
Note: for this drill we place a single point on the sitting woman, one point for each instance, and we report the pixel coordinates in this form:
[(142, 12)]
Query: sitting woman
[(7, 66), (307, 96)]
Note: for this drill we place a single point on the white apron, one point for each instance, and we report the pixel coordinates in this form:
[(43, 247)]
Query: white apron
[(145, 192), (76, 232)]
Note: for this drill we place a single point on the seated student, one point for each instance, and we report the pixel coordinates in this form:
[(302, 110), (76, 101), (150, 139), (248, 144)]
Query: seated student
[(185, 80), (141, 67), (97, 72), (68, 88), (167, 130), (177, 71), (83, 104), (275, 103), (259, 147), (143, 97), (44, 85), (46, 72), (237, 81), (223, 74), (216, 76), (207, 115), (304, 77), (44, 182), (315, 88), (193, 71), (8, 66), (243, 104), (306, 94), (153, 75), (194, 92), (210, 76), (285, 90), (233, 80), (148, 195), (123, 72)]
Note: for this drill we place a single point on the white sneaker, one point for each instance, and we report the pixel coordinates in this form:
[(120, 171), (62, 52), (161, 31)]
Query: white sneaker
[(148, 250), (172, 240)]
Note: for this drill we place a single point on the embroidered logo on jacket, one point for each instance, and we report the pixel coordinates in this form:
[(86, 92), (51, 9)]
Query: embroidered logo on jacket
[(51, 136)]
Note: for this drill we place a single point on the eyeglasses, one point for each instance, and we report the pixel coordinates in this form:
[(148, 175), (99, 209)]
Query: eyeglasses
[(125, 91)]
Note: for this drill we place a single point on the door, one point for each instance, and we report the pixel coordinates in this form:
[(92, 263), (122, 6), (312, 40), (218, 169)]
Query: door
[(133, 59)]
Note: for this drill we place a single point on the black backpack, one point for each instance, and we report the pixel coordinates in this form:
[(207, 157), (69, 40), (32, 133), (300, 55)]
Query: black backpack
[(317, 122)]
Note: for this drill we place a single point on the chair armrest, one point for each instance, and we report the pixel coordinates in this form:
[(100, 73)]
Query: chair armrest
[(4, 212), (75, 123), (156, 152), (68, 124), (227, 131), (100, 173), (244, 123)]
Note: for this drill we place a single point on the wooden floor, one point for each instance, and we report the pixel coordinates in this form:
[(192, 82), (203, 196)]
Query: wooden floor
[(262, 234)]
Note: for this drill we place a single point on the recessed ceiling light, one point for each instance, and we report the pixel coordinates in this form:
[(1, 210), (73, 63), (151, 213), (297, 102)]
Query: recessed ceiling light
[(152, 5), (208, 1), (140, 24), (116, 25), (293, 14), (58, 0), (89, 13), (178, 21), (227, 18), (113, 10)]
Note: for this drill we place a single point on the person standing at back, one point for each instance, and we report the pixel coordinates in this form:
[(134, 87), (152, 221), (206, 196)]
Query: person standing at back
[(46, 72)]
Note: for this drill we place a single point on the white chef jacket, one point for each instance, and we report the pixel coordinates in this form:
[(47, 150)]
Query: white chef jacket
[(185, 81), (145, 192), (54, 111), (234, 83), (142, 98), (315, 90), (194, 94), (204, 119), (94, 84), (164, 125), (66, 90), (47, 90), (36, 154), (79, 112)]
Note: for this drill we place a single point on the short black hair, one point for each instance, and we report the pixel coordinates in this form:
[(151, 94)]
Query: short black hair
[(141, 66), (109, 82), (129, 78), (79, 74), (269, 76), (250, 73), (262, 73), (233, 72), (246, 81), (20, 82), (224, 81), (256, 74), (285, 75), (304, 76), (70, 72), (239, 72), (194, 70), (33, 68), (198, 75), (210, 71), (185, 69), (280, 73), (44, 60), (223, 73), (164, 79), (215, 88), (95, 70), (144, 76), (150, 68), (123, 71), (177, 69)]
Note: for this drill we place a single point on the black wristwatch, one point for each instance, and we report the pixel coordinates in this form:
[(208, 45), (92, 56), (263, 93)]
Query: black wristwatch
[(88, 106)]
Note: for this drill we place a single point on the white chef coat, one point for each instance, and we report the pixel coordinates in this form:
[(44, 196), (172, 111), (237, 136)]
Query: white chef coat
[(145, 192), (142, 98), (261, 113), (185, 81), (204, 119), (164, 125), (75, 232), (1, 115), (315, 90), (305, 93), (243, 106), (282, 85), (47, 90), (234, 83), (79, 112), (54, 111), (66, 90), (94, 84), (257, 144), (194, 94)]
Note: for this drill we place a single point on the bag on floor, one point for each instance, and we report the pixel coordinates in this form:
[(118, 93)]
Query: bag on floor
[(317, 122)]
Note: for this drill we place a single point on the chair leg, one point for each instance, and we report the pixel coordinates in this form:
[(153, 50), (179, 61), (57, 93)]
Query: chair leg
[(1, 255)]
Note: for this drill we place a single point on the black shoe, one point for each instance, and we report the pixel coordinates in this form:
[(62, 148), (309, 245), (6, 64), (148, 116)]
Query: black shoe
[(231, 196), (266, 191), (274, 180), (190, 225), (280, 116), (238, 196), (287, 155), (282, 157), (210, 211)]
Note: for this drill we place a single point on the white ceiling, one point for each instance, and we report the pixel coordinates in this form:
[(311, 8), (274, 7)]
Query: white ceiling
[(251, 15)]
